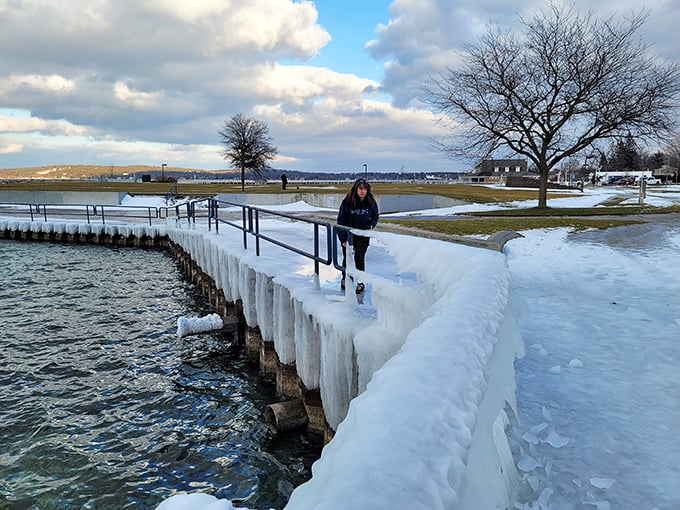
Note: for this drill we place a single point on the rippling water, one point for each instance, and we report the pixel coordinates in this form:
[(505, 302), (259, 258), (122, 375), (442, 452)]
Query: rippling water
[(102, 406)]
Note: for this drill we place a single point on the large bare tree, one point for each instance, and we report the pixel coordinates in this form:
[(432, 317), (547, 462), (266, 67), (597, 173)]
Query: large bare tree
[(567, 81), (247, 145)]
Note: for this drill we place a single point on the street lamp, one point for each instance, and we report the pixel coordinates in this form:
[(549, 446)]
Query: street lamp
[(163, 171), (365, 171)]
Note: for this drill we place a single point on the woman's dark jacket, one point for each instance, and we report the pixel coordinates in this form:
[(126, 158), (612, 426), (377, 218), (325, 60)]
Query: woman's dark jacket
[(364, 217)]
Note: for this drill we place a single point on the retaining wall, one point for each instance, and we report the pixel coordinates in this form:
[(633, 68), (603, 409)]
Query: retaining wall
[(62, 197)]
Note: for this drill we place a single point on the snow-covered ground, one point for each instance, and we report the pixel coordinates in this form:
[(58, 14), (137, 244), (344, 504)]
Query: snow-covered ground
[(598, 389)]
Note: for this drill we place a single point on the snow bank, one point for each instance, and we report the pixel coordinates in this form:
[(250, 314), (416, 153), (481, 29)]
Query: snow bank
[(429, 431)]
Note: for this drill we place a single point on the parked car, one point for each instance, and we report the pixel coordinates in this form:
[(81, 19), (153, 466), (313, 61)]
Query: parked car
[(623, 181), (648, 179)]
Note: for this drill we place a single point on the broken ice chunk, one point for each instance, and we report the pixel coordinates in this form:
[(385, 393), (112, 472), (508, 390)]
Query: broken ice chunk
[(575, 363), (531, 436), (555, 440), (537, 429), (534, 482), (527, 463), (602, 483)]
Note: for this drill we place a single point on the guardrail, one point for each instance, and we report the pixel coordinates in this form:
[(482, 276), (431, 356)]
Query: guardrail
[(87, 212), (243, 217), (191, 211), (250, 225)]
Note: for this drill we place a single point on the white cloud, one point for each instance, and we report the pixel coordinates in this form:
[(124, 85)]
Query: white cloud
[(270, 26), (136, 99), (298, 84), (9, 148), (42, 83), (12, 124)]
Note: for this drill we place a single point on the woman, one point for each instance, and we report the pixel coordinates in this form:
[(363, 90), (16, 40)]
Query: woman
[(358, 210)]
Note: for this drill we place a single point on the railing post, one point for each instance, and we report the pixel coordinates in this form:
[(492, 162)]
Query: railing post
[(245, 214), (257, 232), (215, 215), (316, 248), (329, 240)]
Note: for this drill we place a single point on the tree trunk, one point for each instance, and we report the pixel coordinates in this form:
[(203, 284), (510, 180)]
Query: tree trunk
[(243, 178), (543, 187)]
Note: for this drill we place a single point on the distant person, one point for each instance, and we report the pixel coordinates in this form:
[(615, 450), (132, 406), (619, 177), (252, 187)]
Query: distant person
[(284, 181), (359, 210)]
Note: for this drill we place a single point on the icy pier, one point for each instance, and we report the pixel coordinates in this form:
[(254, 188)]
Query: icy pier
[(411, 387)]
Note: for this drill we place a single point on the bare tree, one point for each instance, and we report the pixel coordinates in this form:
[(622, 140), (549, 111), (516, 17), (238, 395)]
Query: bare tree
[(569, 81), (247, 145)]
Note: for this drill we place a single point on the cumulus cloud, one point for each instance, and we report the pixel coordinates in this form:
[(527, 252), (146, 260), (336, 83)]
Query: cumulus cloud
[(136, 99), (41, 83), (298, 84)]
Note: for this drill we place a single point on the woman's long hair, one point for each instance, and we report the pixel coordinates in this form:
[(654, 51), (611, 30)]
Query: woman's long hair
[(353, 199)]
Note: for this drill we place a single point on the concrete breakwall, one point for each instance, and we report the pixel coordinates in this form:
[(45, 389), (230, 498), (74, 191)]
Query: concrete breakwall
[(354, 395), (62, 197)]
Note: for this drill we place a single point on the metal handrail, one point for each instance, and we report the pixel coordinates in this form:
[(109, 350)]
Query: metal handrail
[(87, 211), (250, 225), (118, 211), (189, 208)]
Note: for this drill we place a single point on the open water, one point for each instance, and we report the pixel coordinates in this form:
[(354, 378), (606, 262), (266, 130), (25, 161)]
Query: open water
[(103, 406)]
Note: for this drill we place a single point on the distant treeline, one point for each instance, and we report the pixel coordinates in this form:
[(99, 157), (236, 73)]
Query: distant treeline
[(293, 175)]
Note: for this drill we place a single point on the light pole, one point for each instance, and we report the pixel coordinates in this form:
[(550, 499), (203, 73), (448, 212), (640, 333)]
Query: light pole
[(163, 171), (365, 171), (585, 166)]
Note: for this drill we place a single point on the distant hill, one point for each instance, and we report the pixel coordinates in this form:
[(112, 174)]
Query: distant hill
[(101, 172)]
